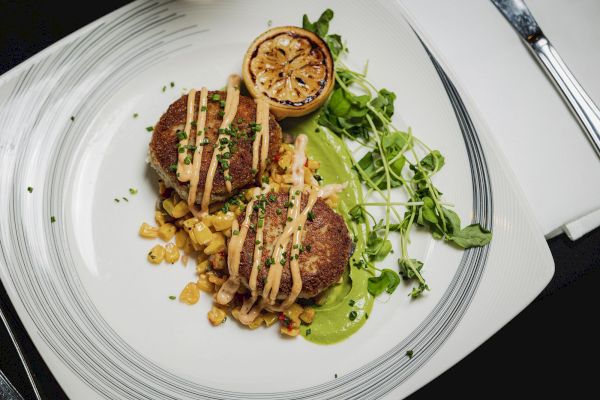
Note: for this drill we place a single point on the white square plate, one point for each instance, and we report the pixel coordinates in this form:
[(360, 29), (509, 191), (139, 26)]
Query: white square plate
[(99, 315)]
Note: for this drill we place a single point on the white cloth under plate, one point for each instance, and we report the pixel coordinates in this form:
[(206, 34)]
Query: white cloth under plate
[(548, 152)]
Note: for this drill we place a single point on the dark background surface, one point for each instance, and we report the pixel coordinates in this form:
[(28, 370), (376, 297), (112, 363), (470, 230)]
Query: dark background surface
[(549, 350)]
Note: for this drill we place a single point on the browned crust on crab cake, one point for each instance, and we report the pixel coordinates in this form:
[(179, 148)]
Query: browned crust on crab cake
[(327, 237), (163, 146)]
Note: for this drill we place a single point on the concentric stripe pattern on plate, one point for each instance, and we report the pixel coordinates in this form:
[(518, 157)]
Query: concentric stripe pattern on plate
[(42, 268)]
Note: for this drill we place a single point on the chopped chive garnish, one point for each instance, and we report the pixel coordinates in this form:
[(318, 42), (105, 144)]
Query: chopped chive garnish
[(117, 200), (409, 353), (352, 316), (150, 128), (221, 113), (308, 332), (135, 115), (72, 118), (172, 84), (125, 198), (30, 189), (173, 167), (187, 160), (53, 219), (133, 191), (164, 88), (216, 97), (203, 108), (172, 297), (235, 232), (311, 216), (351, 303)]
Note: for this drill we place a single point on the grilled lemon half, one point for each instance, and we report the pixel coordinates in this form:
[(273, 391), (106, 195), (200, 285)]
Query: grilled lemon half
[(292, 68)]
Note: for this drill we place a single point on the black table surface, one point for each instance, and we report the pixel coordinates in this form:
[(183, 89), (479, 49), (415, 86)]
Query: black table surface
[(549, 350)]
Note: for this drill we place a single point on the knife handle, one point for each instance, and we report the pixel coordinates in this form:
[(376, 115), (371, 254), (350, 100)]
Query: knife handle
[(582, 105)]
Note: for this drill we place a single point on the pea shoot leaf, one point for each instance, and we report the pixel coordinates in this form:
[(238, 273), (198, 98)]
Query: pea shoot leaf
[(471, 236), (387, 281)]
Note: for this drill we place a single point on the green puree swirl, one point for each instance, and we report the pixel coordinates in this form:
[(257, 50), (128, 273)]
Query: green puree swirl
[(348, 304)]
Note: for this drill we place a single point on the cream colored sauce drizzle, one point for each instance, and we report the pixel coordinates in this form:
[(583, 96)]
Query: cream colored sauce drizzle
[(184, 171), (234, 250), (200, 126), (333, 188), (264, 147), (231, 105), (261, 139)]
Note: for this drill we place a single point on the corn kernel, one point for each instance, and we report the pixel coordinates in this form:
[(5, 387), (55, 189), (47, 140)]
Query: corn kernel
[(160, 217), (308, 315), (156, 254), (148, 232), (184, 260), (190, 294), (270, 318), (197, 247), (189, 223), (201, 233), (168, 206), (289, 331), (313, 164), (256, 323), (207, 220), (294, 312), (181, 239), (171, 253), (217, 316), (218, 261), (189, 247), (204, 285), (332, 201), (235, 313), (285, 160), (167, 231), (223, 221), (213, 278), (180, 209), (216, 245)]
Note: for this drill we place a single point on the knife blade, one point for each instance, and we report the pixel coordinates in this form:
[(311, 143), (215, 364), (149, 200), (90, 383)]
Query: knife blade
[(587, 113)]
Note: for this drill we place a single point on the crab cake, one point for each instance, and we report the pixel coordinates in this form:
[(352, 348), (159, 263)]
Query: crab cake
[(326, 246), (164, 143)]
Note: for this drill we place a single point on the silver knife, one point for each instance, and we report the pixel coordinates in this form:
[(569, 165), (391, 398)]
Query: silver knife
[(521, 19)]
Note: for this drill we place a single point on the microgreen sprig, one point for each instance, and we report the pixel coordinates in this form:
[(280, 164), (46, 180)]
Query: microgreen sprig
[(359, 112)]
